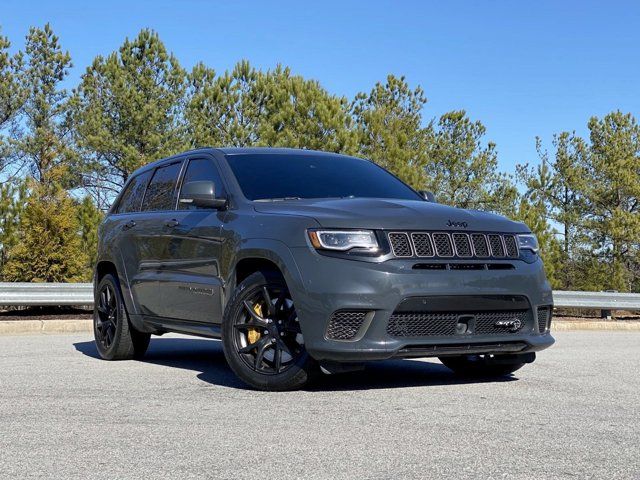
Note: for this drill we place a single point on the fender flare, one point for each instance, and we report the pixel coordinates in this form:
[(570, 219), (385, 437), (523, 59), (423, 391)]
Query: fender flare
[(268, 249)]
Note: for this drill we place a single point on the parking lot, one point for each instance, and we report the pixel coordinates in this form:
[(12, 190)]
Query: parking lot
[(182, 414)]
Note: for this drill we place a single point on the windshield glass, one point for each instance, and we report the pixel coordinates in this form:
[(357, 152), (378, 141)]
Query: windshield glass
[(276, 176)]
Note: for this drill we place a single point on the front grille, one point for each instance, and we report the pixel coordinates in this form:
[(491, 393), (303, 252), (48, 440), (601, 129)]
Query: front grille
[(463, 245), (442, 241), (422, 244), (544, 319), (400, 244), (497, 249), (449, 245), (480, 245), (511, 246), (432, 324), (344, 325)]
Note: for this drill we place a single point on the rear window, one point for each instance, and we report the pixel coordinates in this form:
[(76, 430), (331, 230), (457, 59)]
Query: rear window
[(277, 176), (161, 192), (132, 196)]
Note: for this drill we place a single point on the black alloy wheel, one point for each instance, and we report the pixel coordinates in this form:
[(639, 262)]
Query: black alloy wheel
[(106, 322), (261, 335), (116, 338), (267, 333)]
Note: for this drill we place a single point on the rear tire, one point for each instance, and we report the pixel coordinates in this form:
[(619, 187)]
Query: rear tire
[(116, 338), (479, 366), (261, 336)]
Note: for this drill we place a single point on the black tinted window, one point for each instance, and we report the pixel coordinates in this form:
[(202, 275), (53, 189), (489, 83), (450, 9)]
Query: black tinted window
[(161, 192), (132, 196), (202, 169), (267, 176)]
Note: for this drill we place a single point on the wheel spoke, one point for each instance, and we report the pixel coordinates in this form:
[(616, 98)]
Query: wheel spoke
[(254, 345), (247, 326), (103, 300), (108, 336), (283, 346), (271, 311), (280, 302), (277, 358), (256, 318), (260, 355)]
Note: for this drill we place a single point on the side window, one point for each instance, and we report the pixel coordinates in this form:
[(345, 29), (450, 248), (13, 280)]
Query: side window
[(132, 196), (202, 169), (161, 192)]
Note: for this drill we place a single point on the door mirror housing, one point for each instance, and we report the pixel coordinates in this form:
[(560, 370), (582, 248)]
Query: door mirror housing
[(201, 194), (428, 196)]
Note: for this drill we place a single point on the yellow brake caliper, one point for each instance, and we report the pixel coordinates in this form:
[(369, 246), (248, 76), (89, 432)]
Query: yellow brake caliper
[(253, 334)]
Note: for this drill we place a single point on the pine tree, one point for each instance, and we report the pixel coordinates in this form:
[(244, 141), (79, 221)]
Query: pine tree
[(127, 112), (50, 248), (45, 142), (89, 218), (12, 96), (534, 215), (247, 107), (558, 184), (613, 196), (462, 170), (12, 203), (389, 124)]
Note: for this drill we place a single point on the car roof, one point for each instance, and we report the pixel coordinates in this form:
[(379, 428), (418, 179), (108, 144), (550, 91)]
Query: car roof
[(272, 151), (232, 151)]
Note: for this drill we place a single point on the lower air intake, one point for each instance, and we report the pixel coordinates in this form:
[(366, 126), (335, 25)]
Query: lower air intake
[(435, 324), (544, 319), (345, 325)]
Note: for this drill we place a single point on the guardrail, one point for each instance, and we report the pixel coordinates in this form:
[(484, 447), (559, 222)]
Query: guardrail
[(51, 294), (45, 294), (597, 300)]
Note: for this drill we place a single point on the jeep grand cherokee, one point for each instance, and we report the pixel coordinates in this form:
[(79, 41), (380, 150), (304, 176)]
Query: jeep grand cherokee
[(303, 261)]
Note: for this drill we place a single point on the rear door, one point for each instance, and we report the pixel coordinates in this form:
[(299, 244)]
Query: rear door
[(184, 268), (152, 240), (125, 221)]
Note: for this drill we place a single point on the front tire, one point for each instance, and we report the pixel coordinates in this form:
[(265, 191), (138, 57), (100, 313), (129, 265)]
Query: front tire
[(116, 338), (479, 366), (261, 335)]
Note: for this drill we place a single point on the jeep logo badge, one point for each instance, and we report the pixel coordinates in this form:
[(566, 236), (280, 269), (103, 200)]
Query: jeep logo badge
[(451, 223), (512, 325)]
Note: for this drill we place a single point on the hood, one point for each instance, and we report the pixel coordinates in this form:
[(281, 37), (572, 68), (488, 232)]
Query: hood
[(389, 214)]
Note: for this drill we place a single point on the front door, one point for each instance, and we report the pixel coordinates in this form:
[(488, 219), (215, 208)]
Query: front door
[(182, 276)]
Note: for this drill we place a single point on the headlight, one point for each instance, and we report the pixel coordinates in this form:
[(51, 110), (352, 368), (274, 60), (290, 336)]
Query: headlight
[(343, 240), (528, 242)]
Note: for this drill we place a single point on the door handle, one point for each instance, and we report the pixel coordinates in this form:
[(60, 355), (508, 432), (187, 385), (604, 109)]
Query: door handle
[(172, 223), (128, 225)]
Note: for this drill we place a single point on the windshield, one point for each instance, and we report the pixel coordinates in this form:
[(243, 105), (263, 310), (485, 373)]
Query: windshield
[(277, 177)]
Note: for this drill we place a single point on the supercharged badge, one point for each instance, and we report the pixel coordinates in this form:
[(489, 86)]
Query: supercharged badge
[(512, 325)]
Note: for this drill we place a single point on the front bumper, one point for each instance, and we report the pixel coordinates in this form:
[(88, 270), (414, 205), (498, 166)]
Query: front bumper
[(334, 284)]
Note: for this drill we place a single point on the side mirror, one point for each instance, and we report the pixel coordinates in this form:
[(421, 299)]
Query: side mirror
[(428, 196), (201, 194)]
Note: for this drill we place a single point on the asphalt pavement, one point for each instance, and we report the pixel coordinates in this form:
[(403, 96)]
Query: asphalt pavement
[(180, 413)]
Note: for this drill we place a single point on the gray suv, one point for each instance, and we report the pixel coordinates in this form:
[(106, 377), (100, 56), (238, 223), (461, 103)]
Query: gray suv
[(304, 262)]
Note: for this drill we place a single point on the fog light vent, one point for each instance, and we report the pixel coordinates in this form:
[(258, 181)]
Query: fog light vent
[(544, 319), (345, 324)]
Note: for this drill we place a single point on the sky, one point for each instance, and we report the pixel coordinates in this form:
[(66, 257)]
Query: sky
[(524, 69)]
